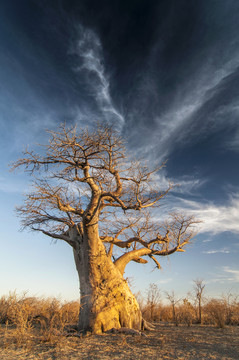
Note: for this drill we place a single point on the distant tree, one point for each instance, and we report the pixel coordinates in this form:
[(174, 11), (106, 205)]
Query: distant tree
[(153, 299), (230, 302), (88, 194), (199, 287), (140, 299), (217, 312), (186, 312), (174, 301)]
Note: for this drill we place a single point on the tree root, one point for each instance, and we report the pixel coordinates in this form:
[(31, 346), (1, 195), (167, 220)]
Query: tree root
[(124, 330), (72, 330), (147, 326)]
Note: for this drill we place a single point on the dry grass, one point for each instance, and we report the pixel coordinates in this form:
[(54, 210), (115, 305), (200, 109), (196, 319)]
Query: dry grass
[(219, 312), (28, 321), (33, 328), (166, 342)]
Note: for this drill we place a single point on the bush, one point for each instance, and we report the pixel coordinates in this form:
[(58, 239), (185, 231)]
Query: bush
[(25, 316), (216, 312), (186, 313)]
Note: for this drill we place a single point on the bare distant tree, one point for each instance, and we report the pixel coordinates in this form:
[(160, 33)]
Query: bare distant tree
[(231, 301), (199, 287), (153, 299), (174, 301), (86, 193), (140, 299)]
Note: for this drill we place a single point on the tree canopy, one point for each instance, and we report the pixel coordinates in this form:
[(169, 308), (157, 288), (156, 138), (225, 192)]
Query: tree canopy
[(84, 176)]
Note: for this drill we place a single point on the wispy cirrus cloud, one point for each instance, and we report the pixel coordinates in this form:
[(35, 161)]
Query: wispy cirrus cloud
[(188, 185), (164, 281), (225, 275), (234, 273), (184, 185), (215, 218), (198, 110), (207, 240), (90, 53), (223, 251)]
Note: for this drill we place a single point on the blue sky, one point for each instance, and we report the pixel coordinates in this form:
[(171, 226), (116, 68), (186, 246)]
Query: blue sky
[(167, 73)]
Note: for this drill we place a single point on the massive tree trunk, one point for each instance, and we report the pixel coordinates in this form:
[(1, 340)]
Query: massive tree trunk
[(106, 300)]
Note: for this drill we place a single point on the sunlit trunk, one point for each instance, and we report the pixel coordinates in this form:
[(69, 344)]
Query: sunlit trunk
[(106, 300)]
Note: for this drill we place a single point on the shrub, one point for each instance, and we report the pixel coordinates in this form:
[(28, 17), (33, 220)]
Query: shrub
[(30, 319), (216, 312), (186, 313)]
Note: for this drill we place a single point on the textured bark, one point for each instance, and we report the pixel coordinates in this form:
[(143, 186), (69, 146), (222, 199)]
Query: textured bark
[(106, 300)]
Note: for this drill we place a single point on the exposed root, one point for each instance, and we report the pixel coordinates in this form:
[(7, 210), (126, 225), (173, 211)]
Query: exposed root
[(147, 326), (73, 332)]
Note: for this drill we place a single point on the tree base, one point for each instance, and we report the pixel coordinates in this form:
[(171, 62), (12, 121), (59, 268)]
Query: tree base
[(116, 307)]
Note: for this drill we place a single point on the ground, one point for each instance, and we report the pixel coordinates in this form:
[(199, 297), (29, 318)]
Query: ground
[(166, 342)]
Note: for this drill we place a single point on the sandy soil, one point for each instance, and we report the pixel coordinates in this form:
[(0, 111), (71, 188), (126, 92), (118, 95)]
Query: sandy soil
[(166, 342)]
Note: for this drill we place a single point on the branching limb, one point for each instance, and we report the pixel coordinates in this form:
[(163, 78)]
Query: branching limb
[(56, 236), (177, 236), (156, 261), (84, 175)]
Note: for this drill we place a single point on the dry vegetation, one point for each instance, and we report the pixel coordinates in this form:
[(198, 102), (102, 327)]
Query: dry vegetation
[(34, 328), (215, 312)]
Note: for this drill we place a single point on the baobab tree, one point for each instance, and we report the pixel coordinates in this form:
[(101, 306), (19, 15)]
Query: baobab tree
[(86, 193)]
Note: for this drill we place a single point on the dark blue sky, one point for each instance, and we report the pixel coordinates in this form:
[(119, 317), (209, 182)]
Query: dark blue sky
[(166, 72)]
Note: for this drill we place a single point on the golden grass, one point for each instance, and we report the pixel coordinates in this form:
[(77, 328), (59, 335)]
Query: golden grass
[(36, 329), (29, 320), (166, 342)]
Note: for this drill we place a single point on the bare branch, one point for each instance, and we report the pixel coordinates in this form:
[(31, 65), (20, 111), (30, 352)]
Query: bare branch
[(59, 237), (177, 235), (82, 178)]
